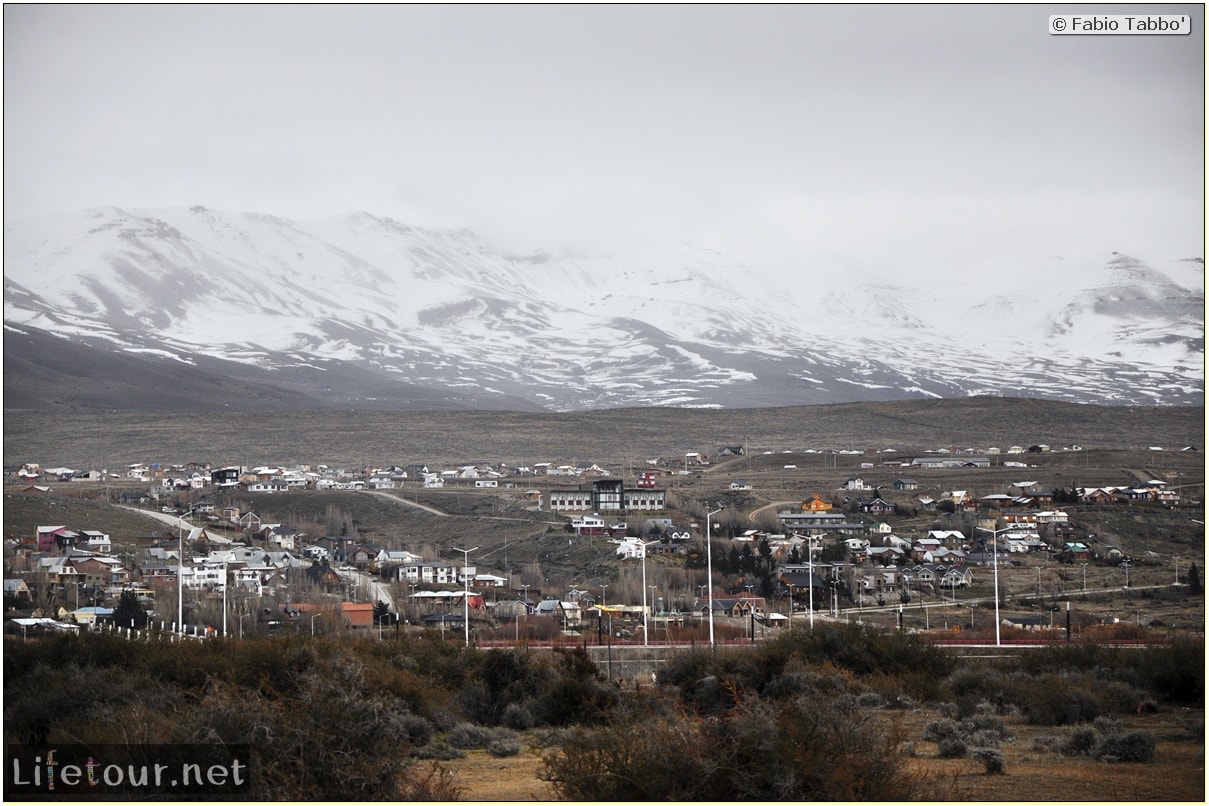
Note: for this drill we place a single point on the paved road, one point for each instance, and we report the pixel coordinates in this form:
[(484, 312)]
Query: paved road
[(398, 499), (758, 512), (173, 520)]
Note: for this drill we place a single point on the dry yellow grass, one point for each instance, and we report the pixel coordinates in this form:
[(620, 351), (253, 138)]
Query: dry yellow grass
[(479, 777), (1177, 773)]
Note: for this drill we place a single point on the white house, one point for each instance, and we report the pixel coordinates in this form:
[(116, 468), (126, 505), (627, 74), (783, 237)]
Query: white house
[(947, 537), (316, 553), (489, 581), (631, 548), (96, 541), (432, 573), (388, 557)]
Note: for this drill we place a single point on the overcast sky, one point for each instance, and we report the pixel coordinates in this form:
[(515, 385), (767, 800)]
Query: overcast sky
[(930, 136)]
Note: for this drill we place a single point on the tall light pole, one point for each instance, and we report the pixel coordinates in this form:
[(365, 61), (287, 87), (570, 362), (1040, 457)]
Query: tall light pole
[(1084, 576), (180, 575), (810, 574), (646, 622), (603, 588), (225, 579), (995, 554), (709, 570), (466, 593), (241, 618)]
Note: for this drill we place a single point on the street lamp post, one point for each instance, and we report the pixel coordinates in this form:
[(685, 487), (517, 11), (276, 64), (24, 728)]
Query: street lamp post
[(995, 554), (241, 618), (646, 621), (466, 593), (317, 615), (810, 575), (603, 589), (709, 570), (180, 575), (1084, 576)]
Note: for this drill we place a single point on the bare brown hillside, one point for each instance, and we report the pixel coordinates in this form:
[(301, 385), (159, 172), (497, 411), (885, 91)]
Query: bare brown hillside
[(625, 437)]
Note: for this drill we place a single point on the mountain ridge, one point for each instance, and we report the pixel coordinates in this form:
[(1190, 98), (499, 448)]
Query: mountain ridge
[(437, 318)]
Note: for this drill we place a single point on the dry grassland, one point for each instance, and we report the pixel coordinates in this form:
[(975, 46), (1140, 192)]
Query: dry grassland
[(1177, 773)]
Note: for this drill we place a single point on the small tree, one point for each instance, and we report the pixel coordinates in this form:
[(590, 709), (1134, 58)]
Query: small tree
[(128, 612), (381, 612)]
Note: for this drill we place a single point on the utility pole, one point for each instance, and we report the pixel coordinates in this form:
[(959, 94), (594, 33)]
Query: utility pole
[(995, 553), (709, 570), (466, 593)]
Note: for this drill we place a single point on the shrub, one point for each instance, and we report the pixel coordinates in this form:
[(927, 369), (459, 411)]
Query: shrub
[(1178, 673), (417, 729), (871, 699), (1057, 704), (1048, 743), (789, 683), (939, 730), (439, 751), (975, 681), (985, 738), (952, 748), (1137, 746), (803, 749), (992, 760), (502, 748), (986, 724), (1081, 742), (468, 736), (518, 716), (1117, 696)]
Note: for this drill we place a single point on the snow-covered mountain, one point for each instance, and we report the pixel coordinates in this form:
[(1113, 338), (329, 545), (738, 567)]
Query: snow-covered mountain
[(423, 315)]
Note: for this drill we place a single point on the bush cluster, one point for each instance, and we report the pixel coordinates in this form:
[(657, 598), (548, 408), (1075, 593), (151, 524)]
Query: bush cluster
[(791, 749), (786, 720), (1111, 745), (954, 738)]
